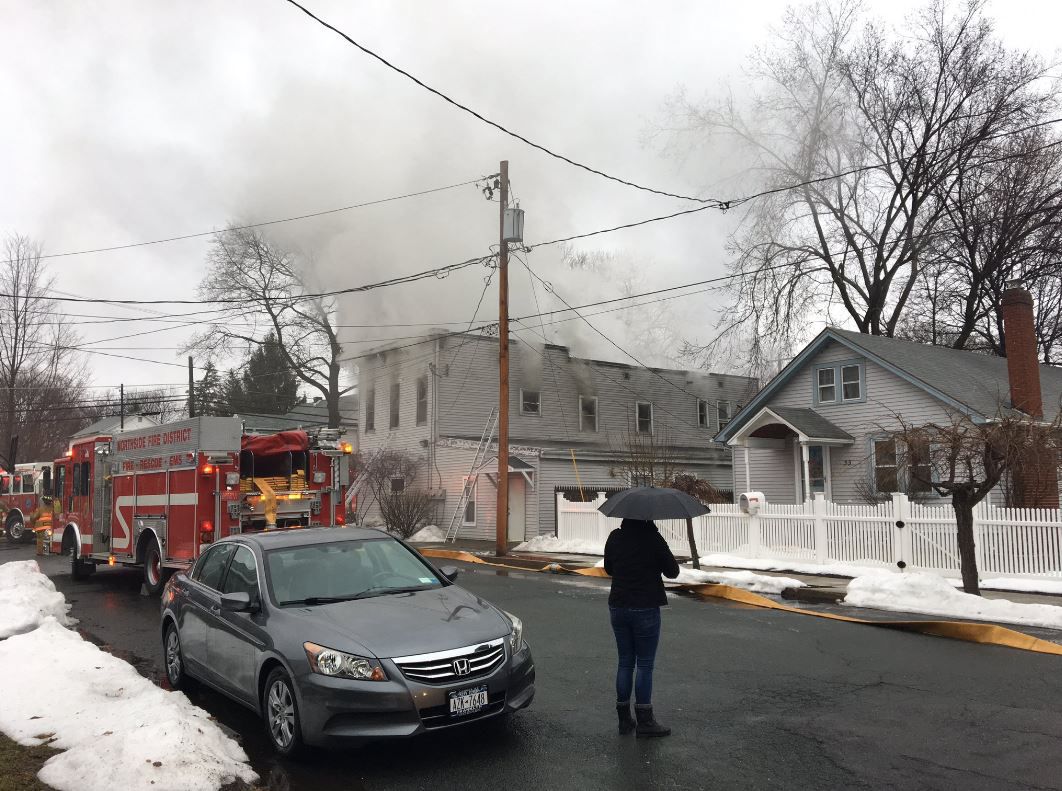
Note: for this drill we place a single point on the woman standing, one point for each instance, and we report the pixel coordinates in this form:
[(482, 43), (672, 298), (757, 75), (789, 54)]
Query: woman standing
[(635, 557)]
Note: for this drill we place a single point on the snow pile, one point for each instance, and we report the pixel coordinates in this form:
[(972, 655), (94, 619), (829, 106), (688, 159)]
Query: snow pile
[(430, 534), (575, 546), (118, 730), (27, 597), (932, 595), (1020, 584), (798, 566), (748, 580)]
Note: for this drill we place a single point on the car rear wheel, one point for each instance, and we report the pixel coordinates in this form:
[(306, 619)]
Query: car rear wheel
[(281, 714), (174, 659), (155, 575)]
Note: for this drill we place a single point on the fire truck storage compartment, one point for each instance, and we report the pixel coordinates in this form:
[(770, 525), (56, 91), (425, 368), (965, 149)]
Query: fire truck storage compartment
[(282, 458)]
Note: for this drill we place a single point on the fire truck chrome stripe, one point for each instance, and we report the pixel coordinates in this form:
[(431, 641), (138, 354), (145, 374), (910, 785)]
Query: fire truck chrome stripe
[(455, 652)]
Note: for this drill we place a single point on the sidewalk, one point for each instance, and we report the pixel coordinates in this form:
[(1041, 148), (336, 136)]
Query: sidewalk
[(820, 589)]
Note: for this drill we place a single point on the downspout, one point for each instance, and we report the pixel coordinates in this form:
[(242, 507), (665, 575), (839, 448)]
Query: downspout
[(433, 460)]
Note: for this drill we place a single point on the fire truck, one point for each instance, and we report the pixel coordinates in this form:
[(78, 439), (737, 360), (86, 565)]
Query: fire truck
[(24, 497), (156, 497)]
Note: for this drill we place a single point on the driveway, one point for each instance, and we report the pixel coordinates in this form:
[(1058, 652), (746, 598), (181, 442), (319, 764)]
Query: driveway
[(758, 699)]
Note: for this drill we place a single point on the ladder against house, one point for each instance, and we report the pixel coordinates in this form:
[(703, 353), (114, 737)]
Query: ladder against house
[(486, 438)]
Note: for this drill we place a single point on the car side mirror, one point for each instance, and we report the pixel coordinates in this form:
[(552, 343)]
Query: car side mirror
[(238, 602), (450, 572)]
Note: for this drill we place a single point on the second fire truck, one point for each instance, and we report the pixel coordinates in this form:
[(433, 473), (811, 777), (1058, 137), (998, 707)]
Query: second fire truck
[(155, 497)]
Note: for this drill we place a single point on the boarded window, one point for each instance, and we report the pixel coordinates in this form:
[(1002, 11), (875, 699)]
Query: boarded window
[(886, 481), (370, 409), (588, 413), (393, 423), (530, 402), (645, 417), (422, 401)]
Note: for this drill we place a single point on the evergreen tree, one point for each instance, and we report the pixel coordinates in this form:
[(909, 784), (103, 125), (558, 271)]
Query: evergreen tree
[(266, 386), (208, 393)]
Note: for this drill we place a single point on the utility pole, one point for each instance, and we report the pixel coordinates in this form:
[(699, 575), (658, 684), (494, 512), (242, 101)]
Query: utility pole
[(502, 536), (191, 389), (121, 407)]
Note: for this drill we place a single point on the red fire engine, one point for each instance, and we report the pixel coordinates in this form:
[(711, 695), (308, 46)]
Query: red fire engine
[(22, 498), (155, 496)]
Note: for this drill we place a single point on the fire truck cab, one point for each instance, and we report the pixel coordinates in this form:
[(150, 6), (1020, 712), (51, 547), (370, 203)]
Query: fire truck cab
[(24, 495), (156, 496)]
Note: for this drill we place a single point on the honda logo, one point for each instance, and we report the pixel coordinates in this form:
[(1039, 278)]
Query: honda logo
[(461, 667)]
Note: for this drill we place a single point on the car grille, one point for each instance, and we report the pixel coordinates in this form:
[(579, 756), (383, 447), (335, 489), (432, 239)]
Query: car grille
[(458, 665)]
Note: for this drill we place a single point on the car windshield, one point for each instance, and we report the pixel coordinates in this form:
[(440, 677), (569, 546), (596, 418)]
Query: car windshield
[(344, 570)]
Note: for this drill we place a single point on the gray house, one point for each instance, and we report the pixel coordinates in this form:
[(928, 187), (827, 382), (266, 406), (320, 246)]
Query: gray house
[(823, 424), (309, 415), (572, 423)]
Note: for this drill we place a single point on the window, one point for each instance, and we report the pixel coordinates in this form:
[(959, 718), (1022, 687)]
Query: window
[(60, 480), (27, 484), (645, 417), (530, 402), (702, 414), (851, 383), (725, 412), (422, 401), (886, 480), (211, 566), (393, 422), (76, 480), (243, 574), (370, 409), (86, 468), (827, 385), (398, 485), (468, 518), (919, 468), (839, 383), (588, 413)]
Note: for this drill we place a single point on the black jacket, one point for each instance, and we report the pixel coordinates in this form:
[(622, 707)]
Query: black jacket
[(635, 557)]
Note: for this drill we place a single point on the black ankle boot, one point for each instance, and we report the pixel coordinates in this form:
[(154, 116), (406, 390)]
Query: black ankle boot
[(647, 724), (626, 722)]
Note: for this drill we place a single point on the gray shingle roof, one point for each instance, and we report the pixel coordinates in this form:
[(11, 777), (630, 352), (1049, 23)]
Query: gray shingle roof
[(810, 423), (978, 381)]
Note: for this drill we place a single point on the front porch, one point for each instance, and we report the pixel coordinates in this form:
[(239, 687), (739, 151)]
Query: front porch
[(786, 454)]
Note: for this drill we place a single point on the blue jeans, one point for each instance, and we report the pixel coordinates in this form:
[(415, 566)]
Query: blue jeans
[(637, 636)]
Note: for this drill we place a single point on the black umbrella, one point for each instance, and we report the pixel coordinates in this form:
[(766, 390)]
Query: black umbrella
[(651, 502)]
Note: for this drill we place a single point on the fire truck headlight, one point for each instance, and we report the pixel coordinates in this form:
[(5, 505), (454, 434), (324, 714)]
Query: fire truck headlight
[(329, 662), (232, 478), (319, 476)]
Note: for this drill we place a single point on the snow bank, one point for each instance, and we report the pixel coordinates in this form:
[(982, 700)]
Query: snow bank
[(430, 534), (932, 595), (27, 597), (572, 546), (750, 581), (1020, 584), (797, 566)]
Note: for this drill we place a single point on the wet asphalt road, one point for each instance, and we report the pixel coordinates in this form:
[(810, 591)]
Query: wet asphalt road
[(759, 699)]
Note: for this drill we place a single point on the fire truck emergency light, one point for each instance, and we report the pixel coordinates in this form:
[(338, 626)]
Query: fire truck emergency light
[(207, 469), (346, 447)]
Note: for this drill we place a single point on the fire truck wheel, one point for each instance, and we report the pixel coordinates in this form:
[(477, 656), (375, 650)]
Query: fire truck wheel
[(281, 712), (16, 529), (79, 569), (155, 575), (175, 659)]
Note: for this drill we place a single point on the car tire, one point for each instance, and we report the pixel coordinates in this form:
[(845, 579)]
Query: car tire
[(280, 711), (16, 530), (155, 574), (173, 658), (79, 569)]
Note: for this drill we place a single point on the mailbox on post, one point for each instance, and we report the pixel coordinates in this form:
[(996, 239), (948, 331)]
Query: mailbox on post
[(750, 502)]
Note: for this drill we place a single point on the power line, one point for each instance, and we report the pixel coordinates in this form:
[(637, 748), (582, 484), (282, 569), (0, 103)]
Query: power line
[(200, 234)]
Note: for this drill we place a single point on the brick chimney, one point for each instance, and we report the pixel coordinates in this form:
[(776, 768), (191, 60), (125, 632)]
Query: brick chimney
[(1036, 481), (1023, 364)]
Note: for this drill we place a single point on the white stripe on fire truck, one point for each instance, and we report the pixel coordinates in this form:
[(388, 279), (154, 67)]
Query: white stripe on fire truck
[(126, 500)]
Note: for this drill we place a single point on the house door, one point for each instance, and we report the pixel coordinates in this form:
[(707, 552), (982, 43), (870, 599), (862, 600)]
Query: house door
[(517, 525), (818, 471)]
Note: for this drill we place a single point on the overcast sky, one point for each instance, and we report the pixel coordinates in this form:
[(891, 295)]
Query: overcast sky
[(130, 121)]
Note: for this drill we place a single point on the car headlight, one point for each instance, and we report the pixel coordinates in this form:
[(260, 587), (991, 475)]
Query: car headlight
[(516, 638), (330, 662)]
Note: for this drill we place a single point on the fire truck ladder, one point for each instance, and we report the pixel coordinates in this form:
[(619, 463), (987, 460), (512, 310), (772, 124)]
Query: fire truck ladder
[(470, 480)]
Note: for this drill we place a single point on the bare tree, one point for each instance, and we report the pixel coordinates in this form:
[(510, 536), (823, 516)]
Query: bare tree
[(965, 461), (41, 377), (406, 512), (271, 283), (859, 137), (384, 472), (703, 491)]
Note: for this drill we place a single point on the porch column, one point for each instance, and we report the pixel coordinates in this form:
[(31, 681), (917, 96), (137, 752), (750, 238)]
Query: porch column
[(806, 461), (748, 475)]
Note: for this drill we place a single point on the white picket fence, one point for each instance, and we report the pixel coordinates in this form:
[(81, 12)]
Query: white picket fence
[(1010, 542)]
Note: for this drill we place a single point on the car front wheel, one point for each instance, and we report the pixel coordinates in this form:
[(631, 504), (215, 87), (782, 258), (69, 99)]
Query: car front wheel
[(281, 713), (174, 659)]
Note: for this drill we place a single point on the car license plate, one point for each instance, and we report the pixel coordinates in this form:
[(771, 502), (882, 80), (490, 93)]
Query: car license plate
[(467, 701)]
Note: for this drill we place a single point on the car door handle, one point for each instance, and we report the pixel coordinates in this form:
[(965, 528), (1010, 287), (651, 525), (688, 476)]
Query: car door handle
[(216, 609)]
